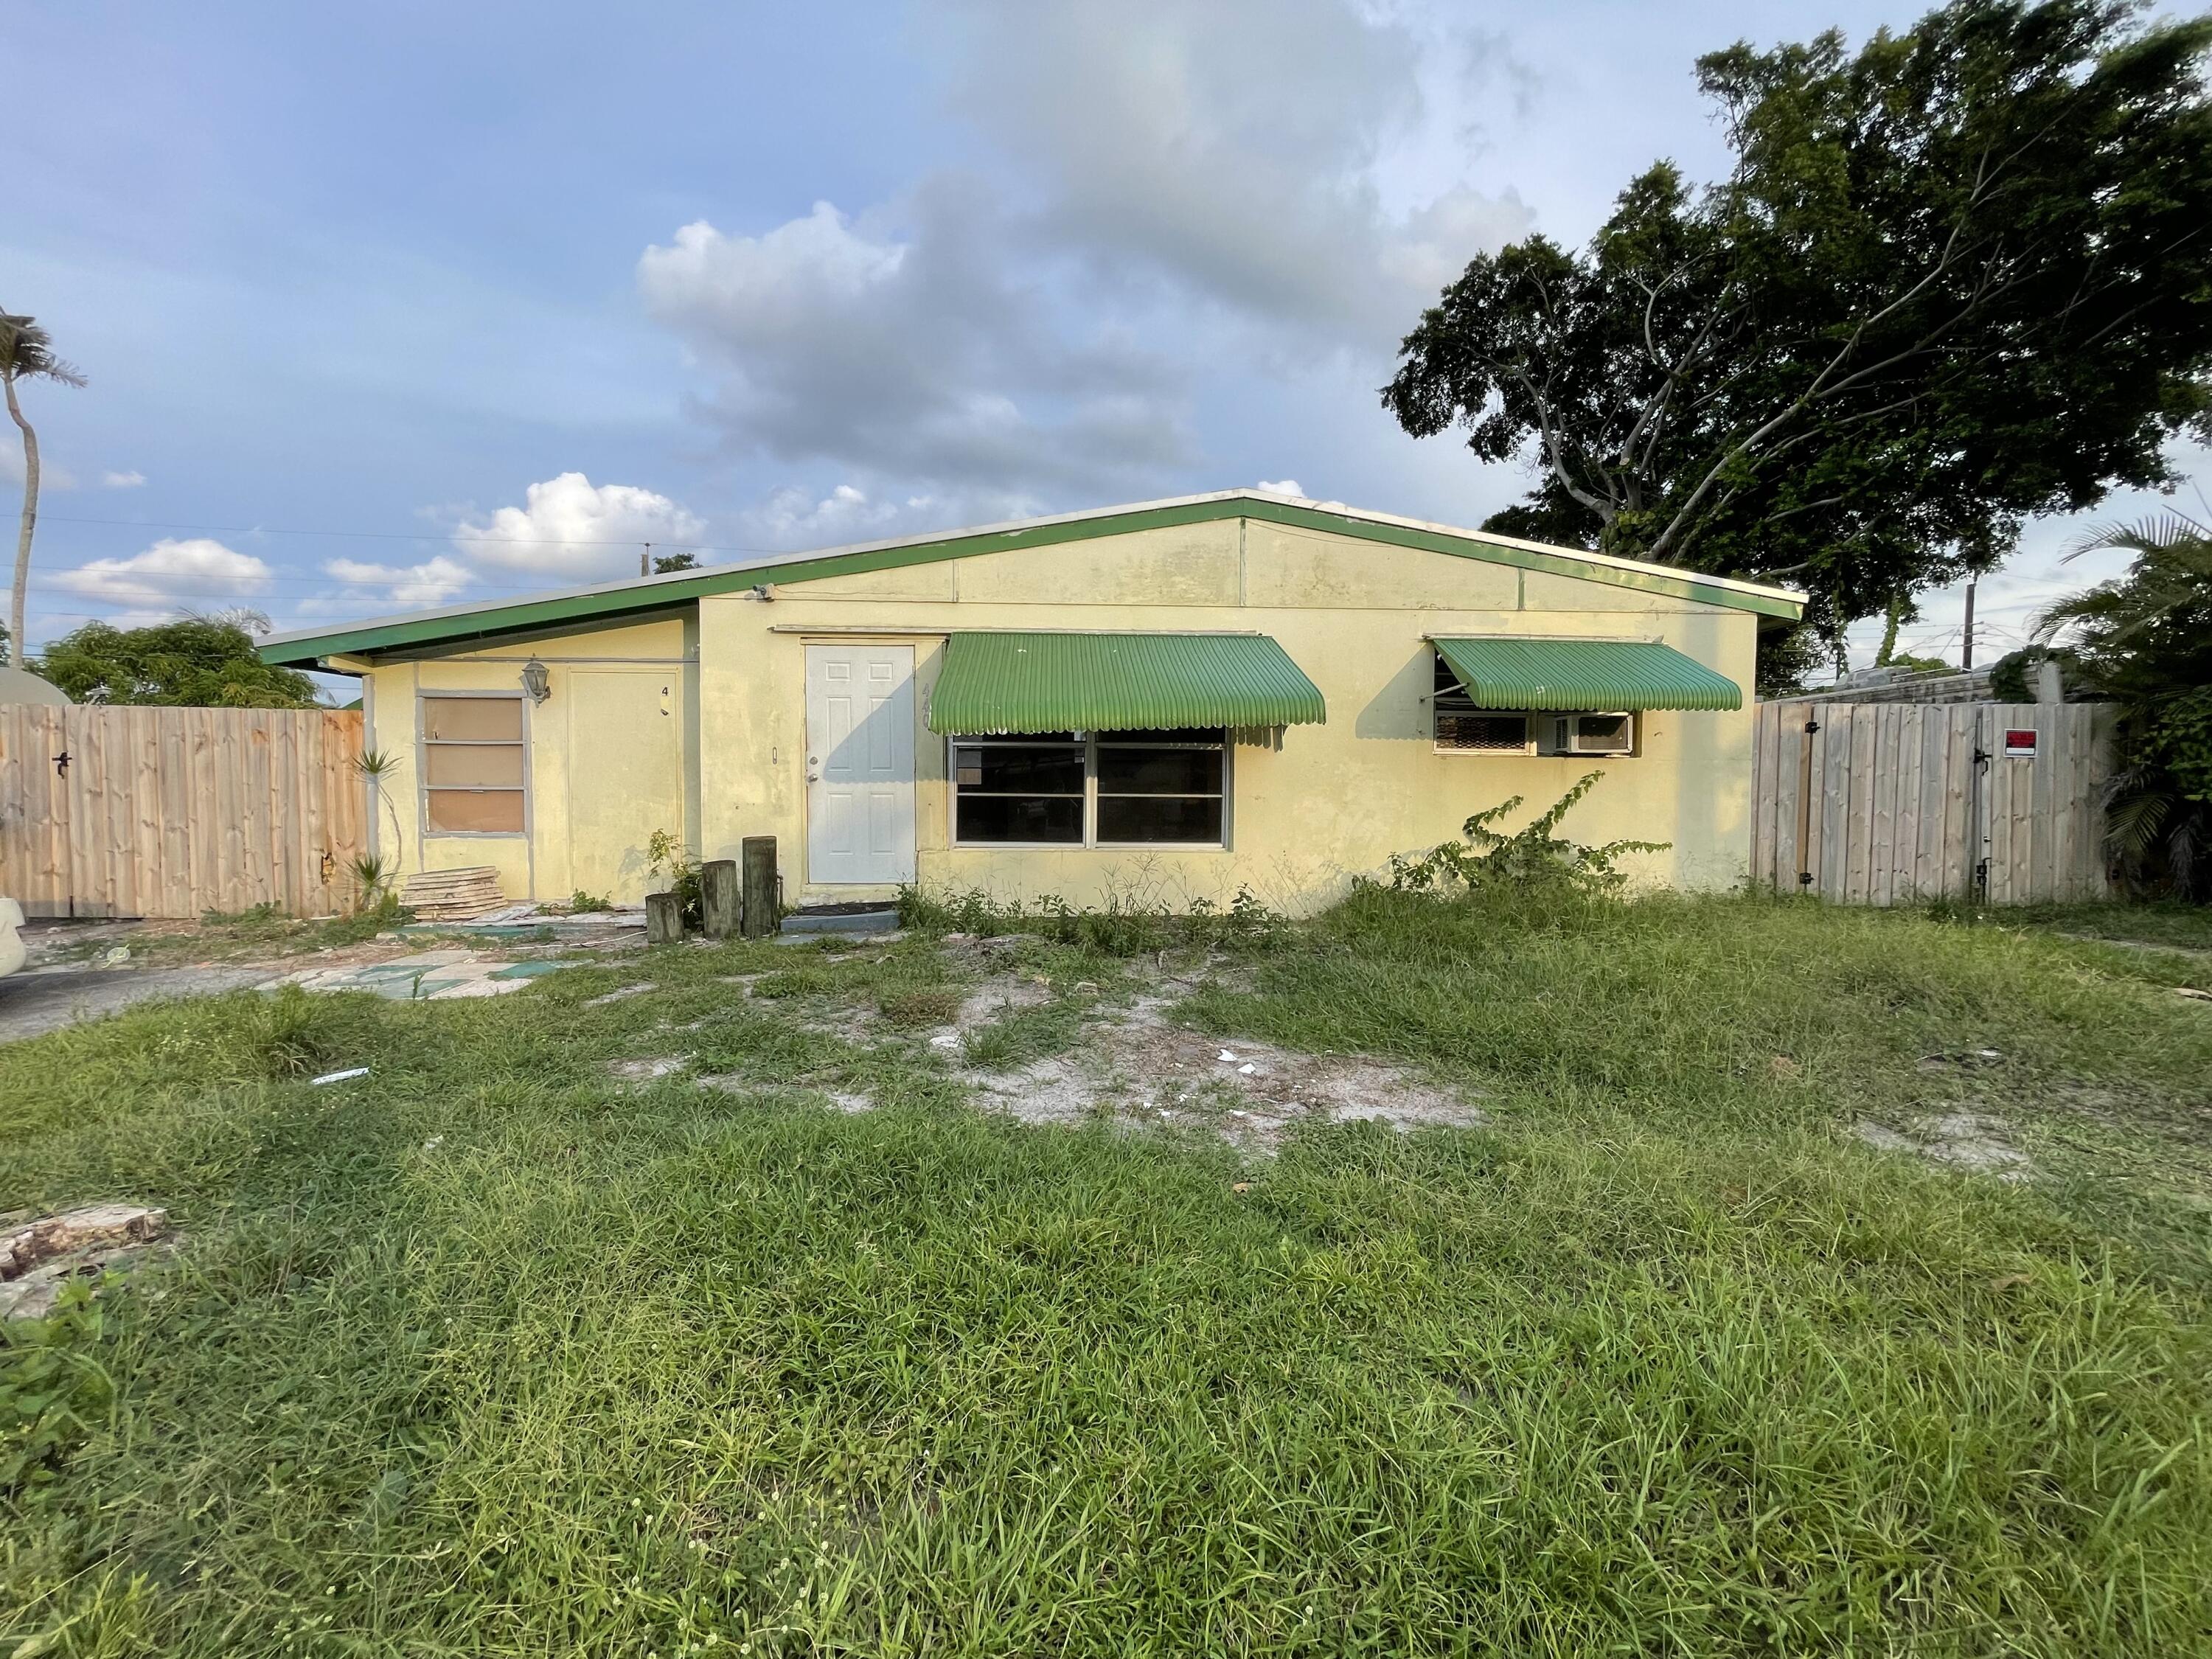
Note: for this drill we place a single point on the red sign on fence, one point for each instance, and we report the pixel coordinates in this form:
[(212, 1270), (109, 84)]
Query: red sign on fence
[(2020, 745)]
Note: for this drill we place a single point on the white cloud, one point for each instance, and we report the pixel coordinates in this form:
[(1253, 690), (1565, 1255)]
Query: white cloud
[(1280, 486), (170, 576), (1179, 208), (411, 586), (901, 344), (795, 519), (132, 480), (1262, 152), (570, 528)]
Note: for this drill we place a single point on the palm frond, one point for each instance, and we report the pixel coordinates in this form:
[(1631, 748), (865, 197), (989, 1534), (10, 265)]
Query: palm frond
[(2171, 576), (26, 353), (2146, 538), (2132, 824)]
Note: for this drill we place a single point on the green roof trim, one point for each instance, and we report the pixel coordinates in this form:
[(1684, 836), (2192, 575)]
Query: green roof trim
[(611, 604), (1587, 674), (994, 683)]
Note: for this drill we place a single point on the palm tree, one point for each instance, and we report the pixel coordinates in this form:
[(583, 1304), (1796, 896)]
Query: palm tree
[(26, 353), (2145, 642)]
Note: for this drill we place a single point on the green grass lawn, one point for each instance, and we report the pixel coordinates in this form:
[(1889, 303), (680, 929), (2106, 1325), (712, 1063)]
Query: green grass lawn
[(495, 1352)]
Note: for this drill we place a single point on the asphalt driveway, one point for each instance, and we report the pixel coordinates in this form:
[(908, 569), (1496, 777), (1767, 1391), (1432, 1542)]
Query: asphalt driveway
[(43, 999)]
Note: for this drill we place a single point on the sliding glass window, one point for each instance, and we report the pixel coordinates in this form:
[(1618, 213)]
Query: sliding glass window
[(1091, 789), (1027, 789)]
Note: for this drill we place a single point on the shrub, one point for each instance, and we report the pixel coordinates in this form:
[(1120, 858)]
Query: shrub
[(52, 1387), (672, 860), (1123, 927), (972, 912), (1532, 856), (375, 877)]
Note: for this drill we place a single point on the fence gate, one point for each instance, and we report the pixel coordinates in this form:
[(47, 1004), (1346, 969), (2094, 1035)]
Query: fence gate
[(177, 812), (1895, 803)]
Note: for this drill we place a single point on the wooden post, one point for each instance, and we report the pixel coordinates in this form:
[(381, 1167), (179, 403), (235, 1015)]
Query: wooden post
[(762, 915), (719, 897), (1805, 804), (664, 919)]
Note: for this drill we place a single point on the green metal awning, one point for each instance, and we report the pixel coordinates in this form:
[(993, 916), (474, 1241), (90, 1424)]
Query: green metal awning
[(1586, 674), (1007, 682)]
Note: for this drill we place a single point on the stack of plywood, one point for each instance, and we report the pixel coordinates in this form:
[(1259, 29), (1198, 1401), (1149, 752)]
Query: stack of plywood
[(453, 894)]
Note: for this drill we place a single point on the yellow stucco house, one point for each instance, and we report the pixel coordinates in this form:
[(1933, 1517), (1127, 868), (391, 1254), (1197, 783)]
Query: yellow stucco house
[(1163, 701)]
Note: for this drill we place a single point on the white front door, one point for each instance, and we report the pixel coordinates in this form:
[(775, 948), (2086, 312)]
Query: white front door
[(859, 764)]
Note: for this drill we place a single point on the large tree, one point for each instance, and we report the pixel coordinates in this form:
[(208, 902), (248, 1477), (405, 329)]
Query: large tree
[(27, 354), (194, 662), (1955, 279)]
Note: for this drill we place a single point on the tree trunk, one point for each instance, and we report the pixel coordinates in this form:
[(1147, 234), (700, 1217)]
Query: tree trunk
[(16, 641), (721, 899)]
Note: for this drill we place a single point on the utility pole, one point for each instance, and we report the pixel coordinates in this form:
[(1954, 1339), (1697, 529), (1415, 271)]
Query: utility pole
[(1967, 654), (645, 563)]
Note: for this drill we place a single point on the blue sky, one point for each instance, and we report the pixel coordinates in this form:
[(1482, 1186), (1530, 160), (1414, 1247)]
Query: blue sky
[(484, 296)]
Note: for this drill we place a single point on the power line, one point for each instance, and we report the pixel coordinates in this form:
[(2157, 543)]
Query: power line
[(397, 579), (446, 536)]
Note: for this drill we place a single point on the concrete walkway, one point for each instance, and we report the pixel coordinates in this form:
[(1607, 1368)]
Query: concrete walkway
[(428, 975), (39, 1001), (45, 999)]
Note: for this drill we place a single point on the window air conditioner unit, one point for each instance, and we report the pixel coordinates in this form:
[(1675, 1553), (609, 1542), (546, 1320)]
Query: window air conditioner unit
[(1588, 734)]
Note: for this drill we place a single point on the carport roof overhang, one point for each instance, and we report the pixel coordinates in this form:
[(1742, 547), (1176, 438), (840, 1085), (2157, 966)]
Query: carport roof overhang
[(469, 627)]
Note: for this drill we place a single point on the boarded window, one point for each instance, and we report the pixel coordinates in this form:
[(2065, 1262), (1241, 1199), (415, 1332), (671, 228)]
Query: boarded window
[(474, 772)]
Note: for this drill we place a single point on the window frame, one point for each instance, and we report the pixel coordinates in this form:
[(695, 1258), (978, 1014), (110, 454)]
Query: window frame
[(1203, 737), (424, 743), (1082, 742), (1634, 751), (1437, 697)]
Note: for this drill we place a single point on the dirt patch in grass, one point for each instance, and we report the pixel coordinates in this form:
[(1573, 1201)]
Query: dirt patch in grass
[(851, 1102), (1961, 1141), (1136, 1067), (986, 1005), (910, 1009), (648, 1068)]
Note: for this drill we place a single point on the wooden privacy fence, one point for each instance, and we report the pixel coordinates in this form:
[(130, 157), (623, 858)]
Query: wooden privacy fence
[(1892, 803), (177, 812)]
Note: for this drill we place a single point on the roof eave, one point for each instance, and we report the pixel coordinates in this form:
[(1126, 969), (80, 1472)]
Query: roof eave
[(460, 623)]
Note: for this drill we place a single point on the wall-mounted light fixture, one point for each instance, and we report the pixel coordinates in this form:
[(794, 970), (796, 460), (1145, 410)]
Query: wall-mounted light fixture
[(536, 681)]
